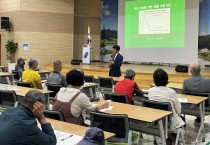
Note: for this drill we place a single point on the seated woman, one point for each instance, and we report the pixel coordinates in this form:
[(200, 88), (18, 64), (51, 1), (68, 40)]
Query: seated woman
[(128, 86), (162, 93), (71, 101)]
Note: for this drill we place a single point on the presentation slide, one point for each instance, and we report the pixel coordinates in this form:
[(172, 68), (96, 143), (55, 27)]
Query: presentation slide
[(159, 31), (155, 24)]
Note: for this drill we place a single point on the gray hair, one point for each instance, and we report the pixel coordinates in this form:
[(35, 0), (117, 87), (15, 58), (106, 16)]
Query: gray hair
[(130, 73), (32, 62), (195, 69), (33, 96), (57, 65)]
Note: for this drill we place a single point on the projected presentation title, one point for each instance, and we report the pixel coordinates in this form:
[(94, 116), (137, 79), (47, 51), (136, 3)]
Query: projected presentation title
[(153, 7)]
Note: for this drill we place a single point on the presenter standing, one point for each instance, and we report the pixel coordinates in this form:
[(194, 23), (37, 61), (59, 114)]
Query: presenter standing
[(116, 62)]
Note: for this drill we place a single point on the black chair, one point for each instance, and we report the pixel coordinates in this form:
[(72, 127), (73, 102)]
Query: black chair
[(89, 79), (117, 124), (25, 84), (121, 98), (157, 105), (207, 102), (54, 88), (167, 107), (17, 75), (8, 98), (105, 85), (57, 115)]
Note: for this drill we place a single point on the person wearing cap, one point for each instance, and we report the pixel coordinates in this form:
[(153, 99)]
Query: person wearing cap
[(20, 65), (93, 136), (128, 86), (71, 101), (116, 62)]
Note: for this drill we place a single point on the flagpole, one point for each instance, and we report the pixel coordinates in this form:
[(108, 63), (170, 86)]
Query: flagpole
[(89, 43)]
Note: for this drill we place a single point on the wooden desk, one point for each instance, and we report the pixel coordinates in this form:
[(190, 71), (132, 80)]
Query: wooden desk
[(46, 73), (1, 68), (7, 75), (21, 91), (175, 85), (142, 115), (172, 85), (195, 101), (116, 79), (73, 129), (44, 81), (88, 85)]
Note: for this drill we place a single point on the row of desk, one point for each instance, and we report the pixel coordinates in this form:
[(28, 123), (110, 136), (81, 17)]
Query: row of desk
[(8, 75), (150, 116), (73, 128), (137, 113)]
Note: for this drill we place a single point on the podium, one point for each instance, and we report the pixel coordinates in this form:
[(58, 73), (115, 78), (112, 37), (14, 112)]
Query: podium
[(86, 54)]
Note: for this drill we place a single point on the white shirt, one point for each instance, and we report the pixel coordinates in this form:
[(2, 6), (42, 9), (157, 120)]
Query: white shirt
[(115, 56), (165, 94), (81, 103)]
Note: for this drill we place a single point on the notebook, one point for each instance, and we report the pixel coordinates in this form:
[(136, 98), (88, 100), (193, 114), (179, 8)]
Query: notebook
[(64, 138)]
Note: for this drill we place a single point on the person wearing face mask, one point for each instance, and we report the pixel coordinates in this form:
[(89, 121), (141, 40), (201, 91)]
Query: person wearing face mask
[(20, 65), (30, 75)]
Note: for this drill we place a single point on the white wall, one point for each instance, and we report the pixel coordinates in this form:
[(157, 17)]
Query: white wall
[(185, 55)]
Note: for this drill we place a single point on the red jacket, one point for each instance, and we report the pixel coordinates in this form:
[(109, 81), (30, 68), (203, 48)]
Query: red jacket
[(127, 86)]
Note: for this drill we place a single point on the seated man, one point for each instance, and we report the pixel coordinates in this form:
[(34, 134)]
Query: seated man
[(197, 84), (31, 75), (20, 65), (56, 77), (19, 125), (128, 86)]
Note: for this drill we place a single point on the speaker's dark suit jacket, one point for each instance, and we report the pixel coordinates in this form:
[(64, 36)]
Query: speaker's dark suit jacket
[(115, 68)]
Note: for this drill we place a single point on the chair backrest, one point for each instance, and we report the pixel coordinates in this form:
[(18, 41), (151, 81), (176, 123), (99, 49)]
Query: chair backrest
[(57, 115), (54, 88), (89, 79), (207, 102), (25, 84), (8, 98), (158, 105), (17, 75), (105, 82), (117, 124), (121, 98)]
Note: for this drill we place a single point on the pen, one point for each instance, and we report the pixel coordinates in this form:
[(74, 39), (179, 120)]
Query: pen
[(66, 138)]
